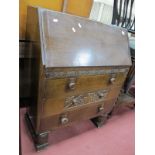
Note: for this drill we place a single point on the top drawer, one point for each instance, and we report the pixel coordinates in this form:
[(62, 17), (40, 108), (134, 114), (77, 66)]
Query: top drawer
[(57, 88)]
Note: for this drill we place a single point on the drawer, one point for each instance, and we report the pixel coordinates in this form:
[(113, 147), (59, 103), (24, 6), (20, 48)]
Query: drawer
[(60, 88), (54, 106), (68, 117)]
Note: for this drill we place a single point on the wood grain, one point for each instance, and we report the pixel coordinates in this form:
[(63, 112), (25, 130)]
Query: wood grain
[(56, 49)]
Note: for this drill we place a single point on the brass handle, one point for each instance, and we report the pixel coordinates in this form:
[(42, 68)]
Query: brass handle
[(64, 120), (112, 80)]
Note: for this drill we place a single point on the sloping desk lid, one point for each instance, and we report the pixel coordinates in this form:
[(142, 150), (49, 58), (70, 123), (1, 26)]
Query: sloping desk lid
[(71, 41)]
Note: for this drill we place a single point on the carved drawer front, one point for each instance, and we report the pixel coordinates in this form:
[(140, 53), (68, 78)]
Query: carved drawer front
[(73, 115), (54, 106), (85, 99)]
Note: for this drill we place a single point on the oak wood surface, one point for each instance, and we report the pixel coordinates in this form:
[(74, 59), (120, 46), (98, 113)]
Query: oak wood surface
[(75, 115), (55, 104), (80, 42), (55, 50)]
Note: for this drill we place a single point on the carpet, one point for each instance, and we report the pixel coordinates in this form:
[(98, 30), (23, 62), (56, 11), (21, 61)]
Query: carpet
[(116, 137)]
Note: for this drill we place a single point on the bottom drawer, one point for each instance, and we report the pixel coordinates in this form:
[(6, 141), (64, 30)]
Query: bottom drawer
[(67, 118)]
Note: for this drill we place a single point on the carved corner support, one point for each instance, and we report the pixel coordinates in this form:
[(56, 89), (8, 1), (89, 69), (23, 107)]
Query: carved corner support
[(100, 120), (40, 139)]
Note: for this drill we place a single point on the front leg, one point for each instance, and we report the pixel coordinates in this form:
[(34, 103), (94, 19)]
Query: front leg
[(100, 120), (40, 139)]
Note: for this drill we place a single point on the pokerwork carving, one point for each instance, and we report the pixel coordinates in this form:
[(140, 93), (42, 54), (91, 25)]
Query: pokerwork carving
[(84, 72), (88, 98)]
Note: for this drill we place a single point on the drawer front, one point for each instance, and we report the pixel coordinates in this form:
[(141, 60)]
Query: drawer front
[(58, 94), (53, 106), (68, 117), (60, 88)]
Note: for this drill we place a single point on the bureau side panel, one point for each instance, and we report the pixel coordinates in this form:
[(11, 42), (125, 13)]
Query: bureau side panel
[(33, 35)]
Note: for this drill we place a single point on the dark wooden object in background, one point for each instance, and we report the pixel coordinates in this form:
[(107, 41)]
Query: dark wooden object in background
[(123, 101), (130, 81), (130, 77), (25, 60), (77, 71), (127, 96), (123, 14)]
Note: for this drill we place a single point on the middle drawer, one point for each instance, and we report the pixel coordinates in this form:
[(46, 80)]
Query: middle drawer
[(57, 105)]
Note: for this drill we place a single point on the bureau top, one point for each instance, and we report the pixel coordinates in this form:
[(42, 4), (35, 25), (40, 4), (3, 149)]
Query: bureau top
[(71, 41)]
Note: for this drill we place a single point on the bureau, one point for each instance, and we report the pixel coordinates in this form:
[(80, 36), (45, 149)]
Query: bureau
[(78, 68)]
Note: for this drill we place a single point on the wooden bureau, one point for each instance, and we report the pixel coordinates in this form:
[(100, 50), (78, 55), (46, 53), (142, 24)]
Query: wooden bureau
[(77, 70)]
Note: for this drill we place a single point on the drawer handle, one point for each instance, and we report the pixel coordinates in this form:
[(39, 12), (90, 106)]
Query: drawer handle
[(101, 95), (64, 120), (72, 85), (101, 108), (72, 82), (112, 80)]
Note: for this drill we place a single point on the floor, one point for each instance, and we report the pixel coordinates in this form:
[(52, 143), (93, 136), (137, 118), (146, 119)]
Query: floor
[(116, 137)]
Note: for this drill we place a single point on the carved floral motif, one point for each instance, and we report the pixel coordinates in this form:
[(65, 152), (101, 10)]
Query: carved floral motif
[(88, 98)]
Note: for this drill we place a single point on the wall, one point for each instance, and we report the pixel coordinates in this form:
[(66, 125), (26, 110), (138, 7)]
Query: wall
[(75, 7)]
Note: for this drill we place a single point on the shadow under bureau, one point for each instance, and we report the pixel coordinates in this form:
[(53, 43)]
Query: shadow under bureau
[(78, 68)]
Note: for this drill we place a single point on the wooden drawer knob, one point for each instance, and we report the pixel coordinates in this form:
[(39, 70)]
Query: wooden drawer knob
[(112, 80), (64, 120), (72, 85), (101, 108)]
